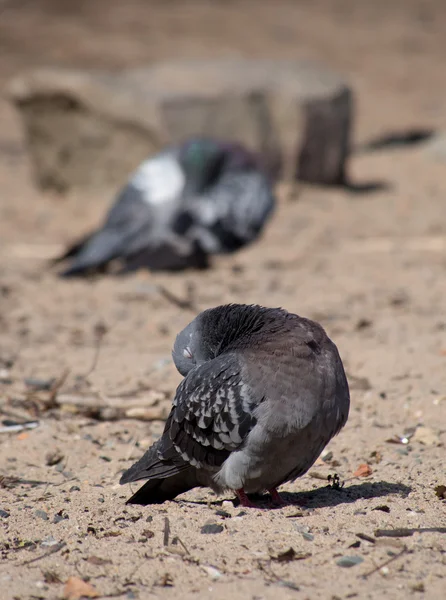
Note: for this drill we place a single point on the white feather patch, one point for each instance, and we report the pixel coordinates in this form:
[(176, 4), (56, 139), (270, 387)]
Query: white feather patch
[(159, 180)]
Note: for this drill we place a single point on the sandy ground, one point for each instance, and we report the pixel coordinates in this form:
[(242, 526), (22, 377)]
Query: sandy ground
[(370, 267)]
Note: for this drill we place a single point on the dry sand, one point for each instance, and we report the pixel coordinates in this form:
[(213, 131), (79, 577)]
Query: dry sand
[(370, 267)]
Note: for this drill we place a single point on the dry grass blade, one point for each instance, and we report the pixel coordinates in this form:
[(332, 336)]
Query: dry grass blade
[(384, 564), (53, 550)]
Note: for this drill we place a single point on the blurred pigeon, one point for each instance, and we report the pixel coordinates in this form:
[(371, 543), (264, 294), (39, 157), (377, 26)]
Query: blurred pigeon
[(190, 201), (263, 393)]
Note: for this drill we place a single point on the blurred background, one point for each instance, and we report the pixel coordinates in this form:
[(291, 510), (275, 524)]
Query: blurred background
[(365, 257)]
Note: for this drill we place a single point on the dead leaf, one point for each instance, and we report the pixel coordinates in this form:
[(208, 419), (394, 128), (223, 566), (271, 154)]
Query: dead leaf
[(76, 588), (364, 470), (440, 491)]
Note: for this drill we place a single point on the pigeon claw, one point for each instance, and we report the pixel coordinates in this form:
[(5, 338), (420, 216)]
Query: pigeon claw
[(276, 498), (244, 500)]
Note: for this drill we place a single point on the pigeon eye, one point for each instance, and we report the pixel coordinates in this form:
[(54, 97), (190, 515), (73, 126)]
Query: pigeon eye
[(187, 352)]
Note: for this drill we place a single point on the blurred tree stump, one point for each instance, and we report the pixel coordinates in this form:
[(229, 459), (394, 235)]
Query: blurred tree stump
[(88, 129)]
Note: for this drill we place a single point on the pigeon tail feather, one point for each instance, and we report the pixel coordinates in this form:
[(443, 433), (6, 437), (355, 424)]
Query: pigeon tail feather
[(157, 491)]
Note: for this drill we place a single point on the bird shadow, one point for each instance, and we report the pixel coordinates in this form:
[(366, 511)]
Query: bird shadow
[(391, 140), (329, 495), (366, 187), (325, 496), (396, 139)]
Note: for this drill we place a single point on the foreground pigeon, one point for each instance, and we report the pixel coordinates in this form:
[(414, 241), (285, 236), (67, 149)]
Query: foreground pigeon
[(188, 202), (263, 393)]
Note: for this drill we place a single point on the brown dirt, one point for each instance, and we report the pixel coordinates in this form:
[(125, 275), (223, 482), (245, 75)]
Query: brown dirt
[(370, 267)]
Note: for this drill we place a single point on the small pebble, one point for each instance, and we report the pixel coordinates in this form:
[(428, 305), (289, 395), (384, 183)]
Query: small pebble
[(212, 528), (308, 536), (75, 488), (58, 518), (48, 542), (53, 458), (349, 561), (4, 514), (223, 513), (41, 514)]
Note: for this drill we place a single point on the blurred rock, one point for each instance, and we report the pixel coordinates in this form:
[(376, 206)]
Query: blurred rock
[(91, 129), (435, 148)]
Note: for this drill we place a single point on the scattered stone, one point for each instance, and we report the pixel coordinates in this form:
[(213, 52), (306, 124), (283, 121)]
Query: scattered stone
[(327, 457), (41, 514), (4, 514), (60, 516), (436, 147), (75, 488), (48, 542), (425, 435), (223, 513), (349, 561), (212, 572), (39, 384), (440, 492), (308, 536), (51, 577), (53, 458), (147, 533), (418, 587), (212, 528), (90, 129), (363, 323)]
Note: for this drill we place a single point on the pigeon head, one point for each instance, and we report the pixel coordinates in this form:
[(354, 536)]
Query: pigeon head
[(202, 160), (190, 348), (218, 330), (239, 158)]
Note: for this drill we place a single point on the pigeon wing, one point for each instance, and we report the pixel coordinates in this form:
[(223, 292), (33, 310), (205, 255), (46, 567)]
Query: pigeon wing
[(213, 412), (211, 417), (125, 222)]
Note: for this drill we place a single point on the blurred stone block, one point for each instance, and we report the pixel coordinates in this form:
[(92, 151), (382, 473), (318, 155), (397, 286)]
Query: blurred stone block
[(91, 129)]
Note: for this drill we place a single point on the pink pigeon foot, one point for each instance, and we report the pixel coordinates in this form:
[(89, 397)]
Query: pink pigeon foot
[(244, 500), (276, 498)]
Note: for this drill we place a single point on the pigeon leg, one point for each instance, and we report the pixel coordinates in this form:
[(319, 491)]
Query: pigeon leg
[(244, 500), (276, 497)]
